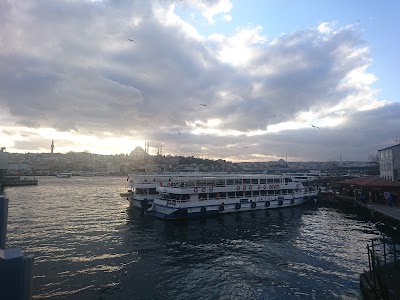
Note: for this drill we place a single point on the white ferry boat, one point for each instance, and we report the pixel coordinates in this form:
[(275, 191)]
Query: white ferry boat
[(142, 188), (64, 175), (207, 195)]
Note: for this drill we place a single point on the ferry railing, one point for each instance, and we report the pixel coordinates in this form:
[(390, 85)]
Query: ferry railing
[(383, 256)]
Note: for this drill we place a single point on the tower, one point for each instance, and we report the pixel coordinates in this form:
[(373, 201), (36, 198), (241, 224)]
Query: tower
[(52, 147)]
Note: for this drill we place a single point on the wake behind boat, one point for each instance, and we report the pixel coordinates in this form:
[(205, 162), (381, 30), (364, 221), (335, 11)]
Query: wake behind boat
[(210, 195)]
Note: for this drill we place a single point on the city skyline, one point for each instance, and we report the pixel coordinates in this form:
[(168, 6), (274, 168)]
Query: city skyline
[(221, 80)]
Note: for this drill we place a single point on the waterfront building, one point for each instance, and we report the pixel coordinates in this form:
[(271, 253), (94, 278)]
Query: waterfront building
[(4, 160), (389, 163)]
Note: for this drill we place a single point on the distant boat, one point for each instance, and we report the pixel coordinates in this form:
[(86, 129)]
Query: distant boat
[(64, 175)]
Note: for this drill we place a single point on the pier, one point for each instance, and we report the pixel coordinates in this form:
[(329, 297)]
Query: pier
[(381, 280), (19, 181), (16, 269)]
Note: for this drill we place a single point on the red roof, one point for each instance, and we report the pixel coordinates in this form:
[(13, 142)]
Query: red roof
[(371, 181)]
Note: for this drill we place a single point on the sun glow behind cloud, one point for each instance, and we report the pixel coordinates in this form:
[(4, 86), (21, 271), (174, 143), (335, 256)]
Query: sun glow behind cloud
[(109, 144)]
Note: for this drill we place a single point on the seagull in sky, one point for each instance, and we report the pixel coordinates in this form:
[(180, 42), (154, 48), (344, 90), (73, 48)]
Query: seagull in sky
[(179, 133), (131, 40), (203, 104), (314, 126)]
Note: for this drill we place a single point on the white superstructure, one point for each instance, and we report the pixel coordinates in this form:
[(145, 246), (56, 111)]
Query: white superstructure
[(142, 188), (209, 194)]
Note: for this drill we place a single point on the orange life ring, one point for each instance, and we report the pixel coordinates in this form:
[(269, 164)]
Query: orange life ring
[(238, 188), (211, 189), (196, 189), (250, 187), (244, 188), (203, 189)]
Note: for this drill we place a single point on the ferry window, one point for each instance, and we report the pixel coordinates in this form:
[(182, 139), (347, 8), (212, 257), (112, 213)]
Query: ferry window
[(238, 181), (211, 182), (191, 183), (184, 197), (270, 180), (284, 191), (270, 192), (246, 181), (231, 194), (286, 179), (263, 181), (229, 182), (220, 182), (256, 193), (277, 180), (152, 191), (264, 193), (211, 195), (201, 183), (222, 195), (254, 181), (203, 196), (247, 193), (239, 194)]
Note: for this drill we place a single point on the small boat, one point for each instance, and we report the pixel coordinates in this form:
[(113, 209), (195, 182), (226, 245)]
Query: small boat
[(212, 195), (127, 194), (64, 175)]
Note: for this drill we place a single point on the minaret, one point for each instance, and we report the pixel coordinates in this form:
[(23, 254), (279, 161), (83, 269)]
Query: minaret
[(52, 147)]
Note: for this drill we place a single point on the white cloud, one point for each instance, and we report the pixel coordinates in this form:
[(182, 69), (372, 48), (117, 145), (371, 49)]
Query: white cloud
[(210, 8), (240, 49), (227, 18), (324, 27)]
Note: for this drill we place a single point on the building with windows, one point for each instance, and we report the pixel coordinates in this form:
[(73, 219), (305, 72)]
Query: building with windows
[(389, 163), (4, 160)]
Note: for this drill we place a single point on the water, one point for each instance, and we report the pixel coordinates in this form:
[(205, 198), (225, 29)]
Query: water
[(89, 245)]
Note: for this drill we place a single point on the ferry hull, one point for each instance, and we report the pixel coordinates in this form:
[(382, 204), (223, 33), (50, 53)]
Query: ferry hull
[(173, 212)]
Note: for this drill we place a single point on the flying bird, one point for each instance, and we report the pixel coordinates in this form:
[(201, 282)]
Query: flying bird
[(130, 40), (179, 133), (203, 104), (314, 126)]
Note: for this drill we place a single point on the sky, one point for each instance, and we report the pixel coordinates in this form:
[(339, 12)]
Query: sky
[(235, 80)]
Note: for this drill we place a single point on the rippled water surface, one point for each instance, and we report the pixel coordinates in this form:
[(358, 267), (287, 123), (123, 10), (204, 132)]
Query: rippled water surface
[(88, 245)]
